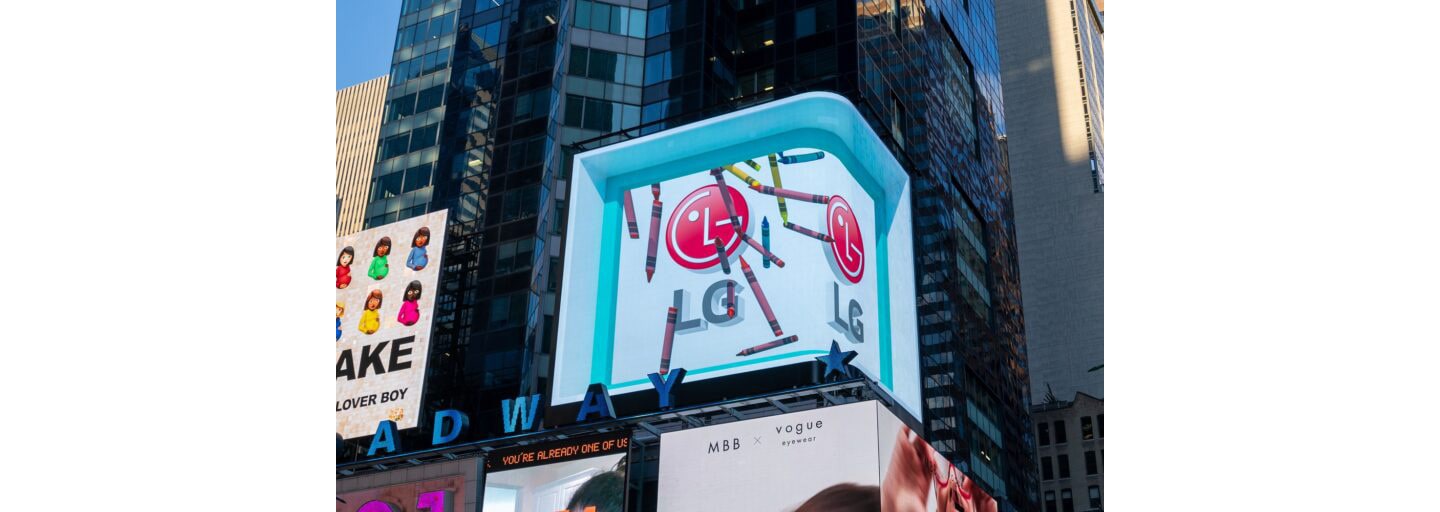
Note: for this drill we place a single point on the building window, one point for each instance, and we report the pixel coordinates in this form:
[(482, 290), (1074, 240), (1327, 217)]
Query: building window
[(1044, 429), (611, 19), (1050, 501), (1067, 501), (1087, 428), (1101, 420), (1064, 466), (814, 19), (1046, 471), (659, 68), (1060, 432), (1092, 467), (1094, 497), (897, 120)]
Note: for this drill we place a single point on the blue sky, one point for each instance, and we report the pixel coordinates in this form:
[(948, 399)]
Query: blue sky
[(364, 33)]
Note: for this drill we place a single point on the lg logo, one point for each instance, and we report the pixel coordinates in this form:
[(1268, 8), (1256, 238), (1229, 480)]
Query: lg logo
[(846, 246), (701, 218)]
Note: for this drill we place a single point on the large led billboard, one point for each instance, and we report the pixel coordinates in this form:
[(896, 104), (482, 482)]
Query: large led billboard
[(855, 457), (743, 242), (584, 474), (446, 494), (385, 284)]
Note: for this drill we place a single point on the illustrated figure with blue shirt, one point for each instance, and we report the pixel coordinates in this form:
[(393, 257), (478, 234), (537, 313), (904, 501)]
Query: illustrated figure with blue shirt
[(418, 257)]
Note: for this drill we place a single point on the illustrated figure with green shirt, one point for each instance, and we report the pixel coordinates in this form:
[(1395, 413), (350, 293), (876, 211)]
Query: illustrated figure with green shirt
[(380, 265)]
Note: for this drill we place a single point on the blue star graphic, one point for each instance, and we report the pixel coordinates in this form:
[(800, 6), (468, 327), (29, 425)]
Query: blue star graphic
[(837, 361)]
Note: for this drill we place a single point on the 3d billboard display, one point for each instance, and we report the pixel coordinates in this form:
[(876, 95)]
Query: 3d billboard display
[(739, 243), (445, 494), (575, 475), (385, 282), (854, 457)]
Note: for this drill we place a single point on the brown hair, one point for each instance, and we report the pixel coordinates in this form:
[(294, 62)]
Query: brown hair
[(843, 498), (415, 241), (379, 299), (384, 241)]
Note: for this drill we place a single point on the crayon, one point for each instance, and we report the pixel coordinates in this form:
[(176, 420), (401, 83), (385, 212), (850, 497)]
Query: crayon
[(775, 173), (655, 190), (783, 192), (765, 253), (760, 297), (800, 159), (654, 239), (765, 239), (720, 252), (669, 341), (725, 196), (769, 345), (753, 165), (730, 299), (741, 174), (630, 215), (804, 231)]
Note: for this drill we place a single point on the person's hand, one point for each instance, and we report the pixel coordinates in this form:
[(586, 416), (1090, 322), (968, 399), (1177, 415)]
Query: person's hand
[(907, 481)]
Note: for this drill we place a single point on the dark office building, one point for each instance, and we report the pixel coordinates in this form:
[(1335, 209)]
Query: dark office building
[(489, 99)]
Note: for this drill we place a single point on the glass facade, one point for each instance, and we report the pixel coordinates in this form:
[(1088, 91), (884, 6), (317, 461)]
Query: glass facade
[(488, 99)]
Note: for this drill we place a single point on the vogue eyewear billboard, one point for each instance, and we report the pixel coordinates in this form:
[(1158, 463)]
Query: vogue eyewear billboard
[(385, 283), (739, 243), (854, 457)]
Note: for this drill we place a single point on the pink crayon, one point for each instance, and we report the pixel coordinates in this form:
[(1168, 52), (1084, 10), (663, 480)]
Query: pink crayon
[(669, 341), (725, 196), (769, 345), (787, 193), (654, 239), (760, 297), (804, 231), (630, 216), (763, 250)]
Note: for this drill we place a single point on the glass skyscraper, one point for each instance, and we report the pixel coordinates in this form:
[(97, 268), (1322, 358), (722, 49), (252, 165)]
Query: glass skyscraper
[(489, 99)]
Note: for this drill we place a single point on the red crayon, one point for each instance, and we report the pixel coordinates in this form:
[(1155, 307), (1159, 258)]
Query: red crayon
[(730, 299), (720, 253), (763, 250), (785, 192), (760, 297), (630, 215), (669, 341), (654, 238), (769, 345), (802, 230)]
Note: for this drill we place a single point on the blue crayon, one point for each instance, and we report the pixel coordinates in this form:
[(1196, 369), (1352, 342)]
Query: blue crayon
[(797, 159), (765, 239)]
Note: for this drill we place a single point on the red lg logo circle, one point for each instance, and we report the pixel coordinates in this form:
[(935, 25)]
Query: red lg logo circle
[(701, 218), (847, 246)]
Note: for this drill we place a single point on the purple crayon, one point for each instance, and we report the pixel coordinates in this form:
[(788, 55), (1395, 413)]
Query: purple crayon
[(763, 251), (804, 231), (760, 297), (654, 238), (669, 341), (769, 345), (798, 196), (720, 253), (630, 215), (725, 196)]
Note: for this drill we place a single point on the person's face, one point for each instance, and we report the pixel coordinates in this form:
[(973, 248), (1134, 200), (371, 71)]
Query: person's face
[(345, 259), (383, 250), (422, 240), (373, 303), (412, 294), (339, 311)]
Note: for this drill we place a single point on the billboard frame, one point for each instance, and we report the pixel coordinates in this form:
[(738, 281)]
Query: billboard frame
[(825, 121)]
